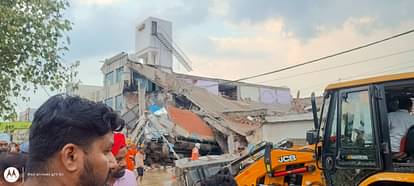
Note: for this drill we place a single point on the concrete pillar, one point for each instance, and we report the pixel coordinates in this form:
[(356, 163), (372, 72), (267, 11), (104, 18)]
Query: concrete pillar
[(230, 143), (150, 59)]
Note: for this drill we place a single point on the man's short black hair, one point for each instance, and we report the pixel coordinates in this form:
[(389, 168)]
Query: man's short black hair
[(405, 103), (64, 119)]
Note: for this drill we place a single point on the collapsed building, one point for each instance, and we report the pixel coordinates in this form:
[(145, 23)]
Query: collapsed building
[(170, 112)]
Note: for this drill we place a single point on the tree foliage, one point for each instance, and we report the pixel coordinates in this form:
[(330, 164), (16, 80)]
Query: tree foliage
[(32, 44)]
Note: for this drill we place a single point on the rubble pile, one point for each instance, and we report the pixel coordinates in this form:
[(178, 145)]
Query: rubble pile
[(171, 119)]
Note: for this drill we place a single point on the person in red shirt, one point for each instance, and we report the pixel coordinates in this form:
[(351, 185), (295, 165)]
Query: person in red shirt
[(195, 154)]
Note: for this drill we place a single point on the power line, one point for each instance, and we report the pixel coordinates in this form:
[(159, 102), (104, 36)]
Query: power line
[(362, 74), (358, 75), (328, 56), (320, 59), (339, 66)]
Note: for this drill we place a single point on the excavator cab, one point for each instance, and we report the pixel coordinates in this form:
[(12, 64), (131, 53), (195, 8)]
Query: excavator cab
[(354, 132)]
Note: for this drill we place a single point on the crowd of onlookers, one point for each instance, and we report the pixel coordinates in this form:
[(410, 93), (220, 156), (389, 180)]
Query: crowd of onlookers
[(16, 155), (73, 141), (6, 146)]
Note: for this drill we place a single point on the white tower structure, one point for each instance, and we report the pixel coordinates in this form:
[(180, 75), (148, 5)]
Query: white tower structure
[(154, 45)]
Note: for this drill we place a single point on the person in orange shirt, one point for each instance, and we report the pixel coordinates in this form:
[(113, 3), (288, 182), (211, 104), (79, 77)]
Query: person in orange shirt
[(195, 154), (130, 157)]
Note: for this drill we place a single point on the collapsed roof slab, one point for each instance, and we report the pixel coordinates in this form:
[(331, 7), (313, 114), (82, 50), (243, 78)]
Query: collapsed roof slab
[(213, 106), (191, 123), (200, 96)]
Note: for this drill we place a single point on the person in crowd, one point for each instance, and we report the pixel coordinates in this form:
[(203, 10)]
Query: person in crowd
[(4, 146), (195, 153), (130, 157), (24, 147), (139, 164), (399, 122), (71, 142), (120, 175), (14, 147)]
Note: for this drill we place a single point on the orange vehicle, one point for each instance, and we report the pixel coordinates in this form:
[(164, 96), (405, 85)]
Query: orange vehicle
[(280, 165), (356, 131)]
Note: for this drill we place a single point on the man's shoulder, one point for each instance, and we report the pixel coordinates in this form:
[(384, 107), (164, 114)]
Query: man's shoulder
[(127, 180), (130, 175), (399, 113)]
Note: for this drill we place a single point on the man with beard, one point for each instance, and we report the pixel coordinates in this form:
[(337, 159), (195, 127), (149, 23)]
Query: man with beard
[(120, 175), (70, 143), (4, 142)]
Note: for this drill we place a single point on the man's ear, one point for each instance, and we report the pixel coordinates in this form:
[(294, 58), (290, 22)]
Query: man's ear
[(72, 157)]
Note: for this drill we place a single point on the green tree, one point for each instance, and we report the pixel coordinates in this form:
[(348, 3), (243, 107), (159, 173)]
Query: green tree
[(32, 44)]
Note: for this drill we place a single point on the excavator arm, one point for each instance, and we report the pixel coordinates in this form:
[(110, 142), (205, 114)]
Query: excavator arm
[(280, 166)]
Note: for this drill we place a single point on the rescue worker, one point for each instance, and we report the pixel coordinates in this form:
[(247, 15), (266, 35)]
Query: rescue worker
[(195, 154), (130, 156)]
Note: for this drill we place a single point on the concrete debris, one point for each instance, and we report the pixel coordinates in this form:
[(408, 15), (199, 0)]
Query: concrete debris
[(290, 118), (170, 112), (303, 105), (185, 113), (192, 172), (191, 123)]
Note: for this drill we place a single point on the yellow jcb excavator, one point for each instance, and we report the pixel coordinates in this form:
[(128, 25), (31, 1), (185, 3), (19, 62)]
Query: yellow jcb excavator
[(283, 164)]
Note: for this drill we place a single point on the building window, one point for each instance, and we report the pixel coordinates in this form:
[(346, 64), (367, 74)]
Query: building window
[(144, 83), (109, 102), (109, 78), (119, 102), (140, 81), (228, 91), (119, 72)]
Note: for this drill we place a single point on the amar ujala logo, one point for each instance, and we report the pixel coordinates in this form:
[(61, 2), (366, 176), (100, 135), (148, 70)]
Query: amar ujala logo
[(11, 174)]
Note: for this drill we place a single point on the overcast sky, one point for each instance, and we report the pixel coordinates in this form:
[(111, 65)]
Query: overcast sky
[(237, 38)]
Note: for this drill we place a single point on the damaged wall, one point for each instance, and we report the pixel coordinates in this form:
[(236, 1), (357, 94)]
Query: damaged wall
[(272, 96), (284, 96), (227, 117), (110, 90), (249, 93), (210, 86), (290, 126)]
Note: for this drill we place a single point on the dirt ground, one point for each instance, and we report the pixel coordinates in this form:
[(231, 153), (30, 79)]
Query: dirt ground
[(159, 176)]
